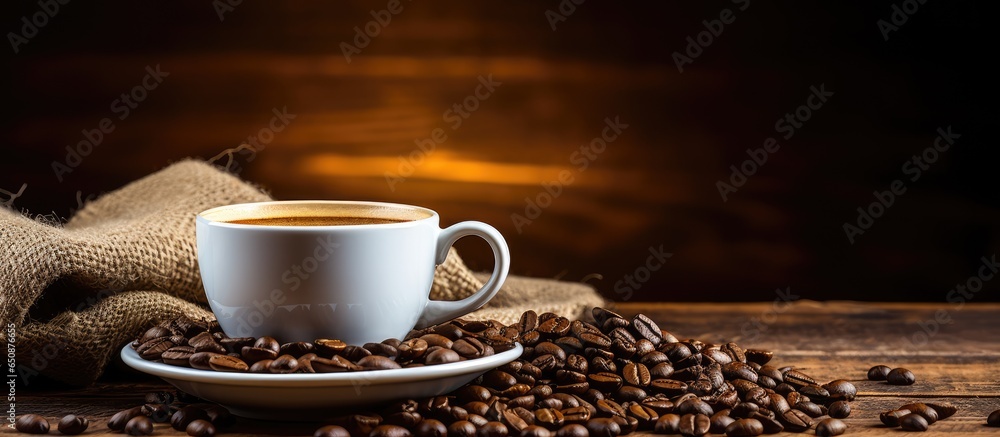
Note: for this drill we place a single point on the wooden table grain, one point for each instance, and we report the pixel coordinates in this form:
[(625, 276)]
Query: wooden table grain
[(953, 349)]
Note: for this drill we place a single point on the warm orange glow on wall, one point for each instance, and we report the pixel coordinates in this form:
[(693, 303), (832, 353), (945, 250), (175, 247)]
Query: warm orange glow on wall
[(441, 166)]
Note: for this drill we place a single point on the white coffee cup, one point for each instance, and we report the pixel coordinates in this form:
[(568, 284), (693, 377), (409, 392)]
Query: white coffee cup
[(358, 283)]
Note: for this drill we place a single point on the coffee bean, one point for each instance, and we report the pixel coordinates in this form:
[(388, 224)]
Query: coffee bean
[(758, 356), (251, 354), (668, 387), (462, 428), (667, 424), (226, 363), (745, 428), (32, 424), (430, 428), (744, 410), (477, 420), (605, 381), (891, 418), (878, 373), (184, 416), (296, 349), (768, 421), (720, 421), (636, 374), (72, 424), (913, 422), (378, 362), (332, 431), (158, 413), (944, 411), (644, 327), (807, 407), (152, 349), (139, 425), (840, 410), (694, 425), (283, 364), (797, 379), (471, 348), (795, 420), (694, 406), (389, 431), (492, 429), (922, 409), (841, 387), (573, 430), (578, 414), (603, 427), (993, 419), (830, 427), (235, 345), (900, 376), (442, 356), (119, 419), (154, 332), (200, 428)]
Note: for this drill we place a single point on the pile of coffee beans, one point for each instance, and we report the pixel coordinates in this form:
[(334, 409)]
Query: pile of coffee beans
[(917, 416), (574, 379), (897, 376), (203, 345)]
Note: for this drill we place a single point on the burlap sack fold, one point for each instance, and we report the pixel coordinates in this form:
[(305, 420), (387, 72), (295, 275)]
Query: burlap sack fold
[(128, 260)]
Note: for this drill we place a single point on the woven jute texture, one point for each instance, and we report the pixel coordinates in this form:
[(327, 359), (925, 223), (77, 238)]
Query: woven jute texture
[(76, 294)]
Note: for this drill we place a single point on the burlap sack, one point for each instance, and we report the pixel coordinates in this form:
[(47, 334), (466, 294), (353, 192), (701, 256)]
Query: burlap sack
[(75, 294)]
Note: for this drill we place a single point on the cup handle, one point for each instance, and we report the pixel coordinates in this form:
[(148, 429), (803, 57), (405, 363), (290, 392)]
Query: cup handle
[(438, 311)]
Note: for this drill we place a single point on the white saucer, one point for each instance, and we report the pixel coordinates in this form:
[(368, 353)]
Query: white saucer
[(316, 396)]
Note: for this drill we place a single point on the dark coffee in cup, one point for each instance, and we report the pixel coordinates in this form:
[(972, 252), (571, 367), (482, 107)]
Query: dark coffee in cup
[(315, 221)]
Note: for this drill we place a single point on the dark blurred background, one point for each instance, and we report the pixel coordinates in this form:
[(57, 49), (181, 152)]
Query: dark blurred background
[(653, 187)]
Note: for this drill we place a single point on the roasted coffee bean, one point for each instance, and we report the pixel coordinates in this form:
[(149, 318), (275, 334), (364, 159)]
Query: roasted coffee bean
[(944, 411), (492, 429), (608, 408), (536, 431), (411, 349), (219, 416), (327, 348), (201, 340), (668, 387), (594, 338), (795, 420), (527, 322), (830, 427), (605, 381), (922, 409), (645, 415), (332, 431), (667, 424), (269, 343), (660, 406), (178, 355), (993, 419), (578, 414), (32, 424), (226, 363), (694, 406), (471, 348), (913, 422), (662, 370), (382, 349), (720, 421), (744, 410), (644, 327), (526, 401), (840, 410), (842, 388), (184, 416), (296, 349), (430, 428), (771, 425), (603, 314), (807, 407), (549, 417), (891, 418), (406, 419), (797, 379), (477, 420), (739, 370), (200, 428), (139, 425), (437, 340), (252, 354), (442, 356), (758, 356), (389, 431), (235, 345), (335, 364), (152, 349), (636, 374), (72, 424), (878, 373), (282, 364), (462, 428), (154, 332), (603, 427), (900, 376), (694, 425), (573, 430), (744, 428), (378, 362), (514, 423), (629, 393), (554, 327), (159, 413), (119, 419)]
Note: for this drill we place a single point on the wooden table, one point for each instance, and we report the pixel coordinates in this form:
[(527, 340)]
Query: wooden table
[(954, 351)]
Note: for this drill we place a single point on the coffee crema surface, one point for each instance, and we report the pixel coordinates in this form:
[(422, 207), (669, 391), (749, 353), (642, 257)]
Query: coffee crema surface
[(316, 221)]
